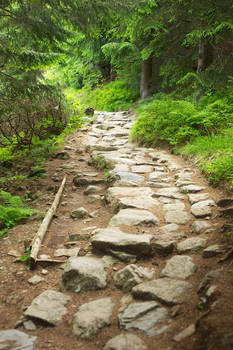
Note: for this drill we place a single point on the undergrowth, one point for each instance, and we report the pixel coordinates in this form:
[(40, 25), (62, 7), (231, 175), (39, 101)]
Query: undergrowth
[(115, 96), (12, 211), (203, 131)]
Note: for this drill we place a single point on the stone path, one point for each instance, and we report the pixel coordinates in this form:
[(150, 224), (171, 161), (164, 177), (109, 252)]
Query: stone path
[(160, 231)]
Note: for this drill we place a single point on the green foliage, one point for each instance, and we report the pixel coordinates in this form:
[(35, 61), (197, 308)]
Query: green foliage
[(26, 257), (117, 95), (214, 155), (99, 162), (177, 121), (12, 211)]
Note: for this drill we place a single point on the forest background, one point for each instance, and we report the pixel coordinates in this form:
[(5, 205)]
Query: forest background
[(170, 61)]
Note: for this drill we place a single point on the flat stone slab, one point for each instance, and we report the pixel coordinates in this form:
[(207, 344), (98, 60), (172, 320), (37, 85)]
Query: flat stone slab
[(132, 275), (114, 238), (198, 197), (126, 175), (141, 169), (125, 342), (169, 192), (192, 189), (83, 274), (144, 317), (202, 209), (12, 339), (114, 193), (179, 217), (157, 175), (191, 245), (200, 225), (169, 228), (35, 280), (179, 267), (67, 252), (174, 206), (91, 317), (133, 217), (142, 202), (165, 290), (49, 307)]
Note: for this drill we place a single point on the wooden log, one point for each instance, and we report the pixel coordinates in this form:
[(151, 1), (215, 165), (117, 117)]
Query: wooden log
[(39, 237)]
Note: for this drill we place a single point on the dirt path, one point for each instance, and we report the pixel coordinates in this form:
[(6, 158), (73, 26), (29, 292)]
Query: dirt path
[(150, 232)]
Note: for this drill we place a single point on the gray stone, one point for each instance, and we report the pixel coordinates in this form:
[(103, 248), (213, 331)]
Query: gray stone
[(93, 198), (175, 206), (192, 189), (142, 202), (35, 280), (170, 192), (113, 193), (79, 213), (48, 307), (157, 184), (125, 342), (91, 317), (92, 189), (122, 256), (67, 252), (125, 183), (165, 290), (79, 236), (141, 169), (202, 209), (132, 275), (200, 225), (169, 228), (207, 280), (134, 217), (163, 247), (29, 326), (80, 181), (83, 274), (177, 217), (213, 250), (144, 317), (191, 245), (15, 340), (157, 175), (114, 238), (14, 253), (109, 260), (194, 198), (179, 267), (181, 183), (187, 332)]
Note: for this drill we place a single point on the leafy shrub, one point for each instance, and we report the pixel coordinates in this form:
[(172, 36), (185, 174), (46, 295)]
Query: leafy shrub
[(12, 211), (214, 155), (115, 96), (177, 121)]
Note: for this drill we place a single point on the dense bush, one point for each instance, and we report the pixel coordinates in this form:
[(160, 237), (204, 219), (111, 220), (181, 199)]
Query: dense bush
[(117, 95), (177, 121)]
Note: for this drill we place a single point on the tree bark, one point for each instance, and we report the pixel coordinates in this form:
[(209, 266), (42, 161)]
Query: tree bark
[(38, 239), (146, 76), (205, 58)]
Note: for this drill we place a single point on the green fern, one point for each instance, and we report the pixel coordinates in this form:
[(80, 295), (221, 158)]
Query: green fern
[(12, 211)]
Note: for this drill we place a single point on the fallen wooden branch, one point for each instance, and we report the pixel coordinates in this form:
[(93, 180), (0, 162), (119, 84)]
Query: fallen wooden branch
[(39, 237)]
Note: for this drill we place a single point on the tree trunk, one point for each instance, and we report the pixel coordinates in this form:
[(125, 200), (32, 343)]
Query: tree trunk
[(146, 78), (205, 58)]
